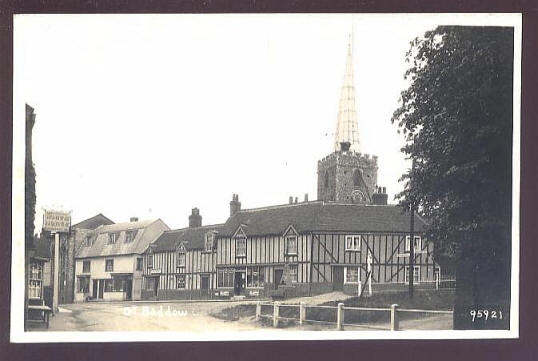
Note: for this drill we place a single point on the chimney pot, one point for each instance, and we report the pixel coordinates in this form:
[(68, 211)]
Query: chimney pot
[(195, 219), (291, 200), (235, 205), (306, 197), (296, 199), (133, 219)]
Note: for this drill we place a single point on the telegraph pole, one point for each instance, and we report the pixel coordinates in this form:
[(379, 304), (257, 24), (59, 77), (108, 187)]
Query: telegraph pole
[(411, 273)]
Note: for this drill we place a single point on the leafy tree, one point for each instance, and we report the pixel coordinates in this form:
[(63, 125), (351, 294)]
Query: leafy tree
[(456, 115)]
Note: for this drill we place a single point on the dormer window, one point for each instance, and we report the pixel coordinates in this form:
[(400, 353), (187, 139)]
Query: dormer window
[(130, 236), (112, 238), (291, 245), (181, 259), (209, 242), (240, 246), (353, 243), (88, 242), (417, 244)]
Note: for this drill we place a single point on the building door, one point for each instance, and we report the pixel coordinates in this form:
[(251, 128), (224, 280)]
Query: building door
[(204, 282), (101, 289), (128, 288), (155, 285), (338, 278), (278, 277), (238, 283), (94, 289)]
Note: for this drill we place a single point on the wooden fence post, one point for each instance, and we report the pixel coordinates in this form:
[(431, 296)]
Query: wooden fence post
[(394, 323), (275, 313), (340, 317), (258, 310), (437, 281), (302, 313)]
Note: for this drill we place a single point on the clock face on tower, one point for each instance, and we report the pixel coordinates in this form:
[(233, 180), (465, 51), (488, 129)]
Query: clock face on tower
[(358, 196)]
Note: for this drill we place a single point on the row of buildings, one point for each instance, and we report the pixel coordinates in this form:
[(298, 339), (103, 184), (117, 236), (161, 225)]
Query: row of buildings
[(287, 250), (347, 238), (297, 248)]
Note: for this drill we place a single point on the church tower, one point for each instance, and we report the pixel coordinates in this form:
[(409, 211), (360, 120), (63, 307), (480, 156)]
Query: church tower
[(346, 175)]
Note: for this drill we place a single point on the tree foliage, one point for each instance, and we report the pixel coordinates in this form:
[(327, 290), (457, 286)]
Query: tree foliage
[(456, 116)]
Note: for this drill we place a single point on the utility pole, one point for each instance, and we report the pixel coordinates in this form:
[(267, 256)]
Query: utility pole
[(411, 273)]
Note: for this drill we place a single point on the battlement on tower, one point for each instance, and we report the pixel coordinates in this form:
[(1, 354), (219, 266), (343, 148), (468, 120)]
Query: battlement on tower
[(350, 157)]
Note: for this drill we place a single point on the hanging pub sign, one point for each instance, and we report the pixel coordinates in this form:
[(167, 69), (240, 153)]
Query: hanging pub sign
[(56, 221)]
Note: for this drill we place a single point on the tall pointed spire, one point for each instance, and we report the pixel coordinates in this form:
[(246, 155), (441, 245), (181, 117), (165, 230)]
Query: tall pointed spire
[(347, 133)]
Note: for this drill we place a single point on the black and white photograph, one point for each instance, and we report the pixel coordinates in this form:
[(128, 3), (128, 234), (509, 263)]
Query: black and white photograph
[(203, 177)]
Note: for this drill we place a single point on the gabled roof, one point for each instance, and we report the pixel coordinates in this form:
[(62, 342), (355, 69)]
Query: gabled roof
[(93, 222), (323, 217), (192, 238), (142, 238)]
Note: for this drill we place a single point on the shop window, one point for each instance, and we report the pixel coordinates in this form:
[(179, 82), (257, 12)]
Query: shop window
[(109, 285), (255, 276), (240, 247), (293, 273), (86, 266), (291, 245), (109, 265), (83, 284), (351, 274), (225, 278), (180, 281), (35, 282)]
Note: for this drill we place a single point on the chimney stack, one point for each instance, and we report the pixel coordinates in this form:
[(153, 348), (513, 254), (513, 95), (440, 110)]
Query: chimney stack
[(306, 197), (380, 196), (296, 200), (235, 205), (291, 200), (133, 219), (195, 219)]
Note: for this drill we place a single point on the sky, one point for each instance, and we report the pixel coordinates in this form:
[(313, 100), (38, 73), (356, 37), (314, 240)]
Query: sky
[(152, 115)]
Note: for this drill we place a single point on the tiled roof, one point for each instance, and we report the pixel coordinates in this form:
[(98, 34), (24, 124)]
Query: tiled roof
[(322, 216), (93, 222), (102, 247), (192, 238)]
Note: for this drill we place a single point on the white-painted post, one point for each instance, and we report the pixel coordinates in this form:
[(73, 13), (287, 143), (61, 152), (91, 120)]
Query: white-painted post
[(56, 289), (369, 259), (276, 306), (394, 323), (258, 310), (340, 317), (302, 313), (437, 281)]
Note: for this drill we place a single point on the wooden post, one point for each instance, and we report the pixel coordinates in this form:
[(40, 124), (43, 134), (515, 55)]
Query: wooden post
[(258, 310), (437, 281), (369, 260), (302, 313), (340, 317), (56, 288), (276, 305), (394, 323)]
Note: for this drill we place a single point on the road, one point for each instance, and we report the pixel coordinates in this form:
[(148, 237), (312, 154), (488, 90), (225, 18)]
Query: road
[(195, 317)]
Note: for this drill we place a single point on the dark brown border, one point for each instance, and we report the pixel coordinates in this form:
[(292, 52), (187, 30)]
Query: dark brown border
[(521, 349)]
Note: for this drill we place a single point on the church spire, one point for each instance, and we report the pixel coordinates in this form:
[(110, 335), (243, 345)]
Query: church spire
[(347, 134)]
